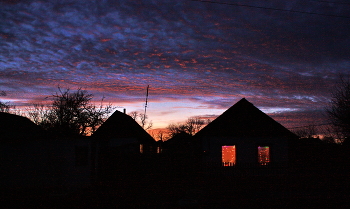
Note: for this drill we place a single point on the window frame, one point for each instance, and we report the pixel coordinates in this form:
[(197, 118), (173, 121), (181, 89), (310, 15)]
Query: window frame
[(268, 163), (229, 164)]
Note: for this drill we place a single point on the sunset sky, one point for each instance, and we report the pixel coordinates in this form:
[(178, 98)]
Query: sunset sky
[(199, 58)]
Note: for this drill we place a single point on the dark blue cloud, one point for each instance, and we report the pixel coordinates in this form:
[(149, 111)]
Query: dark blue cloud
[(208, 53)]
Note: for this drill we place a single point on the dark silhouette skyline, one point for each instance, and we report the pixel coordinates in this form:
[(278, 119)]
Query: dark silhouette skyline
[(243, 154)]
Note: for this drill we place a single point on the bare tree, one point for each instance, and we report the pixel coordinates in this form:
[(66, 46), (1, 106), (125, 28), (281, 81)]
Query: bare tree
[(191, 126), (93, 116), (5, 106), (141, 119), (305, 131), (339, 109), (37, 113), (134, 115), (174, 129), (70, 113), (195, 124), (161, 135), (145, 123), (158, 135)]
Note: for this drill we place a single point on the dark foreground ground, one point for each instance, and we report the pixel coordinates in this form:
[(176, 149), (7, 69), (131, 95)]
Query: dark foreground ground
[(180, 187)]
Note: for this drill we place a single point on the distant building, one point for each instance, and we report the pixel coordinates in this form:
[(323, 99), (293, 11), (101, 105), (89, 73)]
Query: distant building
[(244, 136)]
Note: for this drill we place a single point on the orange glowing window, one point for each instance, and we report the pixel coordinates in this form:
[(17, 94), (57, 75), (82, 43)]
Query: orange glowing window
[(263, 155), (141, 148), (228, 155)]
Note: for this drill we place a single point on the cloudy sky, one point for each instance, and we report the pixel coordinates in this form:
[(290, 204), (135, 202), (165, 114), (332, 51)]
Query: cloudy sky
[(199, 58)]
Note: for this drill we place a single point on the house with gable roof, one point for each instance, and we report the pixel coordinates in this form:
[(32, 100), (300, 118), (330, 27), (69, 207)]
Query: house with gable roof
[(120, 142), (15, 127), (244, 136), (32, 158), (121, 130)]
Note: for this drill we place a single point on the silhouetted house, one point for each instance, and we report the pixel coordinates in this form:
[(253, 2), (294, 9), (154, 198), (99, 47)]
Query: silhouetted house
[(179, 146), (181, 151), (15, 127), (182, 144), (121, 130), (121, 140), (244, 136), (33, 159), (179, 142)]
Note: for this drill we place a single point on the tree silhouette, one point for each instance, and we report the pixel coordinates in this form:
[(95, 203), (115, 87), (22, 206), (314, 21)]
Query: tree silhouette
[(191, 126), (306, 131), (4, 106), (141, 119), (339, 108), (70, 113)]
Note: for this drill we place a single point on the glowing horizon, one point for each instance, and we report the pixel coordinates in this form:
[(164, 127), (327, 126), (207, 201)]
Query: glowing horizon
[(198, 59)]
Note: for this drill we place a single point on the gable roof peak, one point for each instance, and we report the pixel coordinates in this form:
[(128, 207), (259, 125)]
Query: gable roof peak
[(243, 100), (121, 125), (243, 119)]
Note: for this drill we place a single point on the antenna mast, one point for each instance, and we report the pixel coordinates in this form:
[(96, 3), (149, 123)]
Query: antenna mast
[(143, 124)]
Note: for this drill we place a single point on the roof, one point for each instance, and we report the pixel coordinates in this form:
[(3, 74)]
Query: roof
[(18, 127), (243, 119), (120, 125), (179, 138)]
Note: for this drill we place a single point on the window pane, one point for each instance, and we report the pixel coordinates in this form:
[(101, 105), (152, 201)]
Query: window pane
[(228, 155), (264, 155), (159, 150)]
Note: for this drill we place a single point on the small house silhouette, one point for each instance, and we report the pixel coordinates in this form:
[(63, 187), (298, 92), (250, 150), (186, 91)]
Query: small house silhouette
[(34, 159), (121, 129), (15, 127), (120, 141)]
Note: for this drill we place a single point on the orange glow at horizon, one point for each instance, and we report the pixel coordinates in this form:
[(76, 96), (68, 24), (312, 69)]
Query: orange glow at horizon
[(228, 155)]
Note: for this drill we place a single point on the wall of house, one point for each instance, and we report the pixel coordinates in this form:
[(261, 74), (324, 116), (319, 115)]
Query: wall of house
[(41, 164), (246, 150)]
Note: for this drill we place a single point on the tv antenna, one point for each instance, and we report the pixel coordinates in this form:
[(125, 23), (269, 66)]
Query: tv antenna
[(146, 99), (143, 120)]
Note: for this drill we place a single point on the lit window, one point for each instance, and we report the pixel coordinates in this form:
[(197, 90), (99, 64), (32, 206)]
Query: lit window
[(141, 148), (159, 150), (264, 155), (228, 155)]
